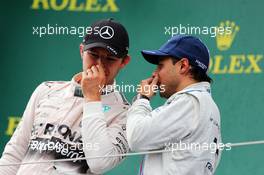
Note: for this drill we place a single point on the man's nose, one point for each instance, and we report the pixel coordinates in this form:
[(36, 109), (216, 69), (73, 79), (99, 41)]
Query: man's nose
[(101, 62), (96, 61), (156, 72)]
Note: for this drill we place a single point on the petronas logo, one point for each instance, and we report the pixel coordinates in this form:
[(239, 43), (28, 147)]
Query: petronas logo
[(106, 108), (224, 40)]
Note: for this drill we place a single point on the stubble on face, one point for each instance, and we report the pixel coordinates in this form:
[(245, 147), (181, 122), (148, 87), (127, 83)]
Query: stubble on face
[(167, 78)]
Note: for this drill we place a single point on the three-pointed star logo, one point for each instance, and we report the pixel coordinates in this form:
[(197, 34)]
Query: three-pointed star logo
[(106, 32)]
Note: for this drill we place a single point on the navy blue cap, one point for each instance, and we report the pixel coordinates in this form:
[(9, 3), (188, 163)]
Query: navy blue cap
[(181, 46)]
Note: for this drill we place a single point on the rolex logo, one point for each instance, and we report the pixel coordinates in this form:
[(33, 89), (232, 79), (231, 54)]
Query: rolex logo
[(225, 39)]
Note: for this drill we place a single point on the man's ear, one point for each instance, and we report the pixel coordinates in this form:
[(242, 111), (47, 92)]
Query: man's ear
[(81, 50), (185, 65), (125, 61)]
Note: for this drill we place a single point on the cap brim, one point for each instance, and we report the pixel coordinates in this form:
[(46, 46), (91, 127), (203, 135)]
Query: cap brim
[(153, 56), (101, 45)]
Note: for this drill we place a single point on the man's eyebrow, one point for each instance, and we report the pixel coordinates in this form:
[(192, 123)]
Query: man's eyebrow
[(108, 54)]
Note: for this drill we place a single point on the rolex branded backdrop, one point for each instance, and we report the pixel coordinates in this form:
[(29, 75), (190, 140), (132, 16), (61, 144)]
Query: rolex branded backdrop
[(40, 41)]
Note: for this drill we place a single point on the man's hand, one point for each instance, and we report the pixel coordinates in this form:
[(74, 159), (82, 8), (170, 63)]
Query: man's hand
[(93, 80), (148, 87)]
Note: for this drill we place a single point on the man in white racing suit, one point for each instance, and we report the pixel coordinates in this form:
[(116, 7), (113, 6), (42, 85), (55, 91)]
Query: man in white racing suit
[(187, 126), (73, 119)]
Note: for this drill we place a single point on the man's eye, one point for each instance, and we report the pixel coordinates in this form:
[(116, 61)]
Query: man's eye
[(94, 55), (110, 59)]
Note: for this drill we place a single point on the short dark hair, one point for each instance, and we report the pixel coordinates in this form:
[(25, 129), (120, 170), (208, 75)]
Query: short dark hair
[(199, 75), (196, 72)]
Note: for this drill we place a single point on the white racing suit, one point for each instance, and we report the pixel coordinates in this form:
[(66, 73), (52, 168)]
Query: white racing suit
[(187, 126), (58, 124)]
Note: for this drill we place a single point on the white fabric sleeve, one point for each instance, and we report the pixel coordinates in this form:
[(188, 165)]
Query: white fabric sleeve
[(151, 130), (16, 148), (111, 140)]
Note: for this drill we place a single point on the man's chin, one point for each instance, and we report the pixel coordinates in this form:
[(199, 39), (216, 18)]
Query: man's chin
[(109, 82), (164, 95)]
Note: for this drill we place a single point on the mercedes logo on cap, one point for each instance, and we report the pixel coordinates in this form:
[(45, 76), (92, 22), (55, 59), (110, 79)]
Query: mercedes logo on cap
[(106, 32)]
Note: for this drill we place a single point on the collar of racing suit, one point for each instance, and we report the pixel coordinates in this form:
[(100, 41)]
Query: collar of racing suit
[(201, 86)]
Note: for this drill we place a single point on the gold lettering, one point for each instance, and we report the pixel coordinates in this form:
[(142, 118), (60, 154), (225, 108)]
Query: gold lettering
[(92, 6), (110, 6), (217, 65), (73, 6), (238, 64), (12, 124), (55, 6), (235, 64), (36, 4), (254, 64)]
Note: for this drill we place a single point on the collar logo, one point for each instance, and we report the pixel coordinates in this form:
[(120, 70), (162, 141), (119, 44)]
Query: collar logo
[(106, 108), (106, 32)]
